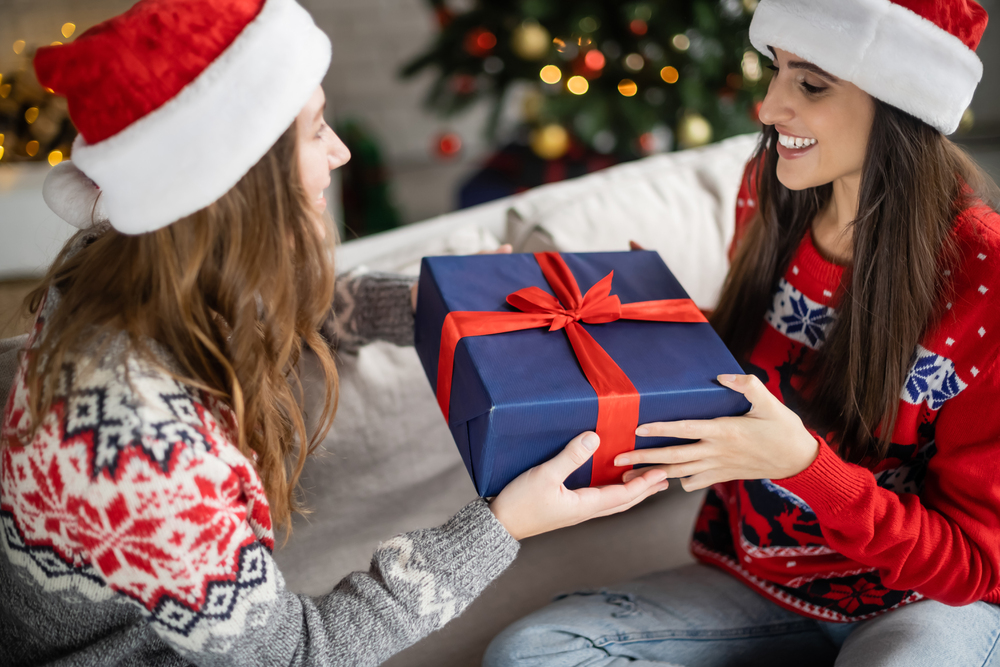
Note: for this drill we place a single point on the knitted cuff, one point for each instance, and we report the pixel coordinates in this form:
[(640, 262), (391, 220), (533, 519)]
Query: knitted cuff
[(829, 483), (369, 307)]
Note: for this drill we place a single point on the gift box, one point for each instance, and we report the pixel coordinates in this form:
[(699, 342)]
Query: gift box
[(525, 352)]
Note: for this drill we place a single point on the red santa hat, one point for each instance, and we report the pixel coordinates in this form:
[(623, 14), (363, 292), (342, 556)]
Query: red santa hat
[(175, 101), (917, 55)]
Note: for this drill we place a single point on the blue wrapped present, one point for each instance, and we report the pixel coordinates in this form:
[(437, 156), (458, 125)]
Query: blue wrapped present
[(515, 389)]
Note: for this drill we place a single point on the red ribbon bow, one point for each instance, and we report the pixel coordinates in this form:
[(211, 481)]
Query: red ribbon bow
[(617, 397)]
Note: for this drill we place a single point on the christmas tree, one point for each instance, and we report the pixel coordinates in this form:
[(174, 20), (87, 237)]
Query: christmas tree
[(625, 78)]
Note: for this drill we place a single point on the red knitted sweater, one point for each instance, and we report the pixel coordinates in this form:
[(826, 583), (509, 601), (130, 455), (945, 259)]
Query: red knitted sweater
[(841, 542)]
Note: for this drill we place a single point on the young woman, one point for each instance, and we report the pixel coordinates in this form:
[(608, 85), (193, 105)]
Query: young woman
[(153, 436), (853, 515)]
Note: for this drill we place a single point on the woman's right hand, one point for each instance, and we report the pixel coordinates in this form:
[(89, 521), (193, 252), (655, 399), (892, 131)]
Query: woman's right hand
[(538, 501)]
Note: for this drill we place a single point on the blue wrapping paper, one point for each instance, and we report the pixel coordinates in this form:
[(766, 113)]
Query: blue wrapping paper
[(518, 398)]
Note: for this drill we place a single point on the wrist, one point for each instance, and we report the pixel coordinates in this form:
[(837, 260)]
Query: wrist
[(808, 447), (497, 510)]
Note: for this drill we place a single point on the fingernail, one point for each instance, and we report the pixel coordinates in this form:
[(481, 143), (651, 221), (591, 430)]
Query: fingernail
[(622, 461), (591, 441), (727, 378), (642, 430)]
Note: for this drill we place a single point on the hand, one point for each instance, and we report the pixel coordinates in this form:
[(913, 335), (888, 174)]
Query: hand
[(769, 442), (538, 501), (505, 249)]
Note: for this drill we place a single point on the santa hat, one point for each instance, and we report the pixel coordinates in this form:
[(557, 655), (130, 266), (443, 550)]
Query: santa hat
[(917, 55), (175, 101)]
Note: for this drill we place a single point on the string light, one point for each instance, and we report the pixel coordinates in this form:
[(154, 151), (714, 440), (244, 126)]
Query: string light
[(1, 138), (638, 27), (577, 85), (68, 29), (627, 87), (681, 42), (550, 74), (31, 148), (594, 59), (19, 46), (31, 115), (1, 152), (55, 157), (56, 44), (670, 74), (634, 62), (751, 67)]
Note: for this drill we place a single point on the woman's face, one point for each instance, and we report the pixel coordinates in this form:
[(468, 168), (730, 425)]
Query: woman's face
[(823, 123), (320, 149)]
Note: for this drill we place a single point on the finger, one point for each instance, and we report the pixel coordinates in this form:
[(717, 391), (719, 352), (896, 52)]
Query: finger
[(651, 491), (666, 455), (675, 471), (751, 387), (688, 429), (505, 249), (575, 454), (632, 245), (705, 480), (595, 500)]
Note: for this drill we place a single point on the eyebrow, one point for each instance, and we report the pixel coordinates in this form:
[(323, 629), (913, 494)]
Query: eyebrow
[(809, 67)]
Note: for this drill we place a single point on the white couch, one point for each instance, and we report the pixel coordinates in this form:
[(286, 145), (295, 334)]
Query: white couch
[(389, 464)]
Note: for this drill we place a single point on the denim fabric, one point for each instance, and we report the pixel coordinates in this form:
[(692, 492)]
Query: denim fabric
[(697, 616)]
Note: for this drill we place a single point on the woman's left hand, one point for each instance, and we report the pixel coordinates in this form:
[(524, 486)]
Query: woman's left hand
[(769, 442)]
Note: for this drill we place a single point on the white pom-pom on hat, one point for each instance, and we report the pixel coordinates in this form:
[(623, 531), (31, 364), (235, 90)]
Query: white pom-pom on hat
[(73, 197)]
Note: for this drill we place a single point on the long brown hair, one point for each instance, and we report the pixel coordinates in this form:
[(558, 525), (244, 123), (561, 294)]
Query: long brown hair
[(233, 292), (913, 185)]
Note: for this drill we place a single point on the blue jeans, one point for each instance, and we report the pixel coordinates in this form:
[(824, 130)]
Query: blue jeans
[(697, 616)]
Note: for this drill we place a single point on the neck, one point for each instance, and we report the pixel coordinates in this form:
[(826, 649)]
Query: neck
[(833, 226)]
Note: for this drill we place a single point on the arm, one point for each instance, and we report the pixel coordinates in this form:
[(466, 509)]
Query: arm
[(181, 549), (944, 544), (368, 307)]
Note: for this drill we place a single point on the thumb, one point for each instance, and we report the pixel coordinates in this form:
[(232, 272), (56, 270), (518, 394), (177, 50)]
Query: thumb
[(750, 386), (575, 454)]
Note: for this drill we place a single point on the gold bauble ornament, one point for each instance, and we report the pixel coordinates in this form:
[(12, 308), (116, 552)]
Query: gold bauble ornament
[(693, 130), (530, 41), (550, 142)]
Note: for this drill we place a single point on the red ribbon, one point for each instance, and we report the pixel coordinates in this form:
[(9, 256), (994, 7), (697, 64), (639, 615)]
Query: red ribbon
[(617, 397)]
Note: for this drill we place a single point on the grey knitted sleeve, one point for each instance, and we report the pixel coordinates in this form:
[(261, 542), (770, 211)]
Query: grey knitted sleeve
[(368, 307)]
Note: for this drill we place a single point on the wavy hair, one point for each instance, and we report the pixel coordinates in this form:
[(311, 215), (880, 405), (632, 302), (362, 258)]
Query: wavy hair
[(233, 293)]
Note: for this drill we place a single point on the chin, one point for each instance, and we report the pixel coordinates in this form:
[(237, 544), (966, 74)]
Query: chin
[(796, 179)]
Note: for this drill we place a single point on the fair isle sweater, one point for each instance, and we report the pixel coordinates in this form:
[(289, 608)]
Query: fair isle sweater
[(842, 542), (134, 532)]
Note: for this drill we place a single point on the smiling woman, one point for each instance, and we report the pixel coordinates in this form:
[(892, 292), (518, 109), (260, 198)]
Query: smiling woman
[(854, 511)]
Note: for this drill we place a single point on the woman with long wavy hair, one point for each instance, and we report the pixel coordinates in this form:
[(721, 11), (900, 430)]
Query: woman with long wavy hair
[(154, 433), (853, 515)]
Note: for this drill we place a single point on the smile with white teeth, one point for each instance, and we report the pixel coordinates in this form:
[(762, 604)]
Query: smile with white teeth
[(794, 142)]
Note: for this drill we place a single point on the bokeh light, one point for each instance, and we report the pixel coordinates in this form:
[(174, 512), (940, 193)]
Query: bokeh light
[(31, 115), (638, 27), (68, 29), (627, 87), (577, 85), (594, 59), (55, 157), (670, 74), (634, 62), (681, 42), (589, 24), (550, 74), (31, 148), (19, 46), (751, 67)]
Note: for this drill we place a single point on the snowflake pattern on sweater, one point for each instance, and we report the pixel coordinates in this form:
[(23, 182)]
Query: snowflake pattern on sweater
[(840, 542)]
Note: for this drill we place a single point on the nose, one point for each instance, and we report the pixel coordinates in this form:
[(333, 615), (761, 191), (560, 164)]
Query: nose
[(775, 107), (337, 152)]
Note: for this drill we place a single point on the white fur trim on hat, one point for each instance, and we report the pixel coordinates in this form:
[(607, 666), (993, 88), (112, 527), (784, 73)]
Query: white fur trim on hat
[(883, 48), (73, 197), (192, 150)]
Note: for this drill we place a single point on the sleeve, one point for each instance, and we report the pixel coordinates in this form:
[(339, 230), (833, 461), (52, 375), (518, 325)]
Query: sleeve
[(192, 553), (369, 307), (747, 204), (943, 544)]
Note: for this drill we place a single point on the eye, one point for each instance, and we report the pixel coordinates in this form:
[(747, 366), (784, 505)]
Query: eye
[(812, 90), (772, 68)]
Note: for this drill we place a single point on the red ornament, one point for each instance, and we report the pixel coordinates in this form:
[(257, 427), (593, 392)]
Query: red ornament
[(638, 27), (594, 60), (755, 111), (448, 145), (480, 42), (463, 84)]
